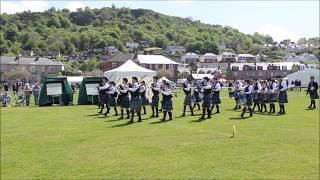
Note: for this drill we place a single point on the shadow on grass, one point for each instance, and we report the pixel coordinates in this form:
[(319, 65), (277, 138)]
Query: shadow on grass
[(310, 109), (238, 118), (115, 120), (122, 125), (235, 110), (94, 114), (158, 122), (197, 120)]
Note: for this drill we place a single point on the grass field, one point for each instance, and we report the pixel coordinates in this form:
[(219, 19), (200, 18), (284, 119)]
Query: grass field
[(74, 143)]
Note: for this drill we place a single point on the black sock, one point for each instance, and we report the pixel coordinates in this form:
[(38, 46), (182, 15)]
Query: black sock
[(144, 110), (152, 110), (250, 110), (198, 104), (217, 108), (243, 111), (170, 115), (121, 113), (139, 116), (132, 116), (116, 111), (254, 106), (212, 108), (157, 112), (209, 113), (203, 112), (128, 113), (164, 115), (194, 105), (283, 110), (184, 109), (191, 110)]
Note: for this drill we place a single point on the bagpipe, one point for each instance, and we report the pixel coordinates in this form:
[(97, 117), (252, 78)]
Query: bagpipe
[(240, 97)]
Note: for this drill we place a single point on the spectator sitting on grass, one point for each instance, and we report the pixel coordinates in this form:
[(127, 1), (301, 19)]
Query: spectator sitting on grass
[(5, 99)]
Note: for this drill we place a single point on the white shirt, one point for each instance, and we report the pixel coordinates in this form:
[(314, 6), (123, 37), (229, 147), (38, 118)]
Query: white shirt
[(217, 87), (135, 87), (274, 88), (188, 88), (106, 86), (284, 86), (142, 88), (125, 89), (167, 92), (250, 89), (112, 90), (259, 87), (157, 86)]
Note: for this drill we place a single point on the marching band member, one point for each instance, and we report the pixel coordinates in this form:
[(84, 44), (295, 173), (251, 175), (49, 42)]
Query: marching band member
[(313, 92), (155, 87), (188, 98), (216, 88), (196, 94), (163, 82), (112, 92), (272, 95), (264, 96), (237, 88), (103, 92), (123, 97), (256, 95), (100, 103), (136, 103), (206, 103), (248, 93), (283, 98), (167, 101), (144, 99)]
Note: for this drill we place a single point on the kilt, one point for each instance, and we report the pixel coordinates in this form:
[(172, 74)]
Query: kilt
[(136, 104), (105, 98), (206, 103), (197, 97), (144, 100), (188, 99), (231, 94), (283, 98), (125, 102), (167, 105), (112, 101), (216, 99), (257, 98), (314, 95), (273, 97), (264, 98), (155, 101), (241, 99), (248, 99)]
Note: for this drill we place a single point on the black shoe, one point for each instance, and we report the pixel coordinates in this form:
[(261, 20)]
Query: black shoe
[(183, 115), (130, 122), (105, 114), (202, 118), (209, 117), (152, 116), (163, 120), (121, 117), (128, 117), (115, 115), (170, 119), (139, 120), (217, 112), (280, 112)]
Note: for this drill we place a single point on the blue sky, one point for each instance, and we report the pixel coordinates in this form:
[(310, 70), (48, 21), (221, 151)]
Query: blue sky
[(280, 19)]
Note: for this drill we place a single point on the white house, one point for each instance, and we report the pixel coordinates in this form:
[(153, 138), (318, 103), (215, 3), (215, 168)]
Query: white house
[(111, 49), (246, 58), (175, 50), (227, 57), (208, 58), (132, 45), (159, 62), (190, 57)]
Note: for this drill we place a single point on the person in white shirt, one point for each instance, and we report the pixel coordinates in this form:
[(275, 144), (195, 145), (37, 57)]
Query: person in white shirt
[(283, 98), (136, 103), (272, 95), (155, 87), (188, 99), (112, 92), (264, 96), (216, 88), (104, 96), (144, 99), (256, 95), (207, 99), (123, 98), (167, 101), (248, 93), (236, 92)]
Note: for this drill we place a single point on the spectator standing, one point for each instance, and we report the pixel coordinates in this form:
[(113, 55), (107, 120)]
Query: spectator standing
[(27, 93), (6, 87), (15, 88), (36, 92)]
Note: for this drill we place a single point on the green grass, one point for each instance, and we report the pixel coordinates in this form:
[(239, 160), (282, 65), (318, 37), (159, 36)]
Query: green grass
[(72, 143)]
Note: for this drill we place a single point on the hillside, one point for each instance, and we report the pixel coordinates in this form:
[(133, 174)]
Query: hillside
[(71, 32)]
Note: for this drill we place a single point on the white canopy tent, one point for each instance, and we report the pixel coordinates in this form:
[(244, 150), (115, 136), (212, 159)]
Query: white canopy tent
[(304, 76), (128, 70), (74, 79)]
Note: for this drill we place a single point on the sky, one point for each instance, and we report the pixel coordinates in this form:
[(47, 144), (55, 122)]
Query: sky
[(280, 19)]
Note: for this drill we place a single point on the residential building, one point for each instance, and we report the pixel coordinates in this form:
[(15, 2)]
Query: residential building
[(208, 58), (27, 53), (246, 58), (111, 50), (227, 57), (113, 61), (173, 50), (132, 46), (159, 62), (50, 54), (35, 68), (190, 57)]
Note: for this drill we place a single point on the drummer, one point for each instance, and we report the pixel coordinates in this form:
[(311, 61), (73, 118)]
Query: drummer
[(248, 93), (196, 94), (272, 95), (216, 88), (236, 90), (283, 98), (313, 92), (256, 94)]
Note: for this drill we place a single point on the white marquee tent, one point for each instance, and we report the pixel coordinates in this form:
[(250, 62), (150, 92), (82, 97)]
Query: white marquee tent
[(128, 70), (304, 76)]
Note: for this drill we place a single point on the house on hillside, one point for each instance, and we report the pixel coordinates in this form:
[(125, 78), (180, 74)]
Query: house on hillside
[(173, 50), (208, 58), (27, 53), (246, 58), (131, 46), (227, 57), (113, 61), (50, 54), (159, 62), (35, 68), (111, 50), (190, 57)]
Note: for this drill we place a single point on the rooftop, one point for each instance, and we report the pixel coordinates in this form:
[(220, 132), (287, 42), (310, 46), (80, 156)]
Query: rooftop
[(29, 61), (154, 59)]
